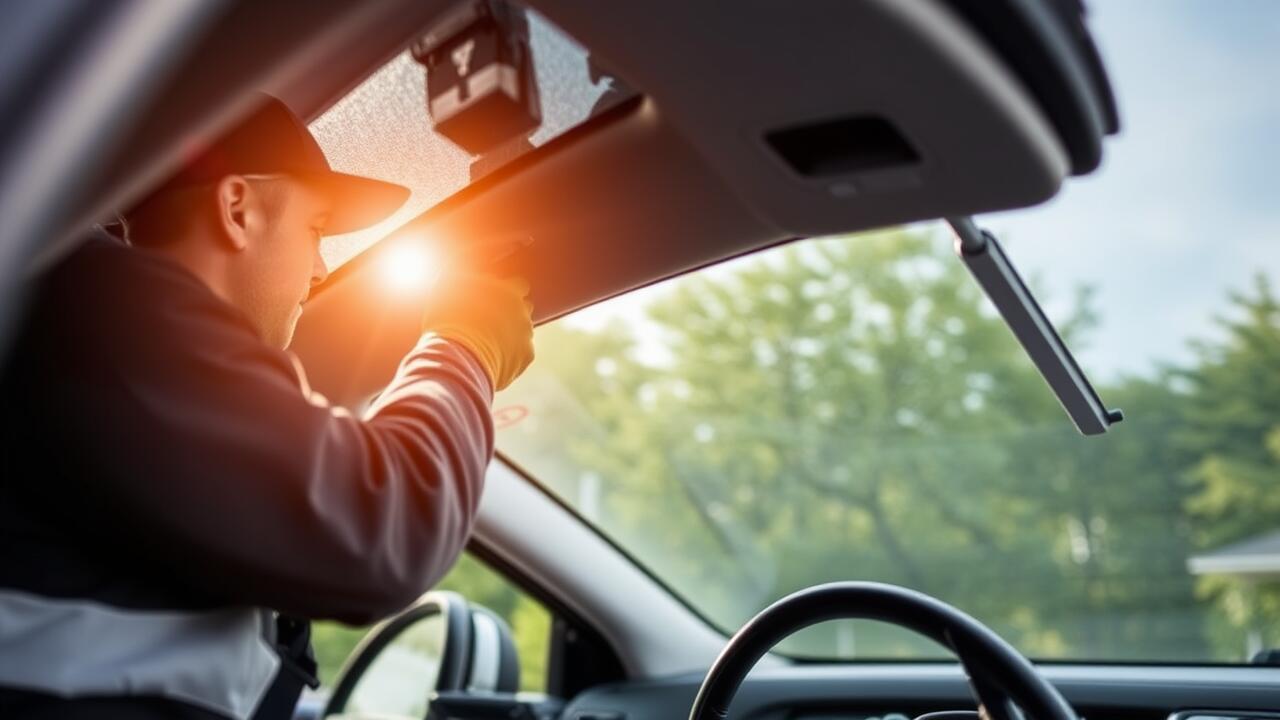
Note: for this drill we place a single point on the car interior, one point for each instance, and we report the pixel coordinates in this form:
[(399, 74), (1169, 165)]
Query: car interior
[(681, 136)]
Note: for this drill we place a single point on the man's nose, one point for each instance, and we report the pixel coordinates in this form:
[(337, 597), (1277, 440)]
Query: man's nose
[(319, 271)]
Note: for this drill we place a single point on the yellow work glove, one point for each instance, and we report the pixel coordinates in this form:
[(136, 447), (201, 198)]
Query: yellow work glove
[(488, 315)]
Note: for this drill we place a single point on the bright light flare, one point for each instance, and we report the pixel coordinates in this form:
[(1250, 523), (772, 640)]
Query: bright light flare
[(411, 266)]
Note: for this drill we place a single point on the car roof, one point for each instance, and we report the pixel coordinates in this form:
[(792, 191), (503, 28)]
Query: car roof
[(705, 164)]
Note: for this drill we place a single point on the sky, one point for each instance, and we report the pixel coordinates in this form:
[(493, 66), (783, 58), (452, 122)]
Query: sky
[(1184, 207)]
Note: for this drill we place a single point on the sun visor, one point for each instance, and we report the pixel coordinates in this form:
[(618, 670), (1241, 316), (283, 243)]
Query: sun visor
[(830, 116)]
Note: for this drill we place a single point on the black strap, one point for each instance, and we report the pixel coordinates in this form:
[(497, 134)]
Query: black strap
[(297, 668)]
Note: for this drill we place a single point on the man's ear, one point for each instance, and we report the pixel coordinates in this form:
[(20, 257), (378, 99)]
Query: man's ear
[(233, 200)]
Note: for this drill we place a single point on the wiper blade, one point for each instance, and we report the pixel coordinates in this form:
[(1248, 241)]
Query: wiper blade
[(1269, 657), (986, 260)]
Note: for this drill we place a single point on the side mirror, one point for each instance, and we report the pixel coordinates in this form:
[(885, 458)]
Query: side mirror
[(404, 660), (493, 679), (493, 666)]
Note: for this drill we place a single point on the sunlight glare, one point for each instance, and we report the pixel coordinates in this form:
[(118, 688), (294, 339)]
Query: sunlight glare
[(410, 266)]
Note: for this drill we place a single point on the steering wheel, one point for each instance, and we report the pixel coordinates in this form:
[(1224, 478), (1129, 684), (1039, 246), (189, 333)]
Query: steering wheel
[(1002, 680)]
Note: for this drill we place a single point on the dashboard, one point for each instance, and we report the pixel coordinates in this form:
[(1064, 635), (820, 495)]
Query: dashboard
[(903, 691)]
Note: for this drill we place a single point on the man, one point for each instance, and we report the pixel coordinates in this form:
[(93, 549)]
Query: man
[(167, 481)]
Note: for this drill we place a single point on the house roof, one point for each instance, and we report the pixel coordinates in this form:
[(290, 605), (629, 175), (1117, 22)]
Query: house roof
[(1255, 556)]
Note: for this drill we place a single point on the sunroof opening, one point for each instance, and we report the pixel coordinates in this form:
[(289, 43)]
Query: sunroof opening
[(381, 129)]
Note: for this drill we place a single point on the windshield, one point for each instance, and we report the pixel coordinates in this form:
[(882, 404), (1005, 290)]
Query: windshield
[(852, 408)]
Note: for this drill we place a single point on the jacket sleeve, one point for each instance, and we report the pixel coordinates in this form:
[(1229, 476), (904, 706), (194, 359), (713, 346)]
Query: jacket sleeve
[(209, 455)]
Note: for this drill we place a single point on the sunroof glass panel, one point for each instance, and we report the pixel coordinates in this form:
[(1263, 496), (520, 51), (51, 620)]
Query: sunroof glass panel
[(381, 129)]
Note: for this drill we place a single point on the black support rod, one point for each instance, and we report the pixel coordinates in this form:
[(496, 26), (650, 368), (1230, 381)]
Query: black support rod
[(998, 278)]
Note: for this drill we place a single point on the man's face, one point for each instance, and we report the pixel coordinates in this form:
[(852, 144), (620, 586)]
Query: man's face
[(281, 261)]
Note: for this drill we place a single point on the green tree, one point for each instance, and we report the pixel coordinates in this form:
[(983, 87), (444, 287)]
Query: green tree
[(1232, 421), (852, 408)]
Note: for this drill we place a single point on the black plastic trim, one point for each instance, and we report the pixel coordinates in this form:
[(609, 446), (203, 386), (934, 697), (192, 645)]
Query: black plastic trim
[(562, 680), (829, 691), (1046, 44), (551, 495)]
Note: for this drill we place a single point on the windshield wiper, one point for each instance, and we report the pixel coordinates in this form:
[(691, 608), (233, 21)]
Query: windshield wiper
[(1269, 657), (1000, 281)]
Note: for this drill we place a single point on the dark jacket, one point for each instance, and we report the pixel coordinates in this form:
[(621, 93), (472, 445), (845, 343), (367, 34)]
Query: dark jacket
[(165, 476)]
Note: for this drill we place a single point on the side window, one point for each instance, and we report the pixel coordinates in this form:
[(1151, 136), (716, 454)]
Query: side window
[(530, 623)]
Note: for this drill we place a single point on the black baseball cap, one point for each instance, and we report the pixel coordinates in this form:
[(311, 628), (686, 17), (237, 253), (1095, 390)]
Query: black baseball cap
[(271, 141)]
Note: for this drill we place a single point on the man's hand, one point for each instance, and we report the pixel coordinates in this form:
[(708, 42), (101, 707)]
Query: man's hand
[(488, 315)]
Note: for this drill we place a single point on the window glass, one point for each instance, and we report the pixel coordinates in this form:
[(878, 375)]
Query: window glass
[(529, 620), (395, 685), (852, 407)]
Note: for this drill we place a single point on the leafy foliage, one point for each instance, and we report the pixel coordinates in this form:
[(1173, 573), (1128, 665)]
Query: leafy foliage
[(853, 408), (1231, 426)]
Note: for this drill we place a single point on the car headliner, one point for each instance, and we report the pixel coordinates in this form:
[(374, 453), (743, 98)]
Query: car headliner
[(676, 179), (682, 177)]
